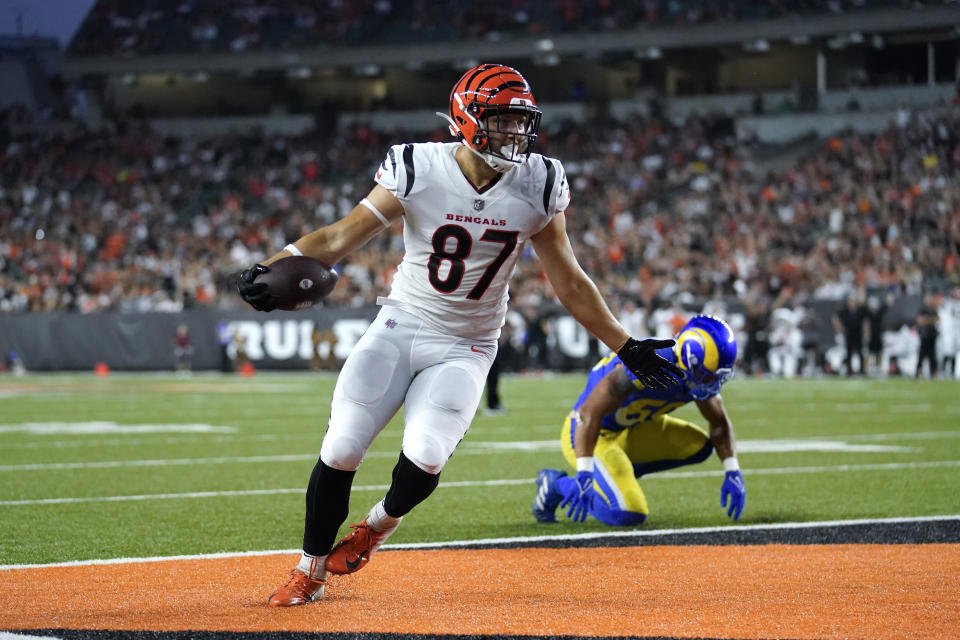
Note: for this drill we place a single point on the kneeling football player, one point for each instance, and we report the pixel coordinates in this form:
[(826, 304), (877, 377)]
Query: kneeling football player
[(620, 430)]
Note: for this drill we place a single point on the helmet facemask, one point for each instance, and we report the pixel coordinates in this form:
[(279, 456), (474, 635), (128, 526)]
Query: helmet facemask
[(505, 135), (704, 383)]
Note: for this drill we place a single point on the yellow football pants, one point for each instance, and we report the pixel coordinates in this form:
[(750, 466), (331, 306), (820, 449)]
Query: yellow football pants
[(621, 457)]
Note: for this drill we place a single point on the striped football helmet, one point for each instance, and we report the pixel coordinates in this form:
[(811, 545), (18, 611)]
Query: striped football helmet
[(493, 112), (706, 350)]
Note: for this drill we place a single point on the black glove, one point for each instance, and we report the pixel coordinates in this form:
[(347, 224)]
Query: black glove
[(255, 293), (653, 371)]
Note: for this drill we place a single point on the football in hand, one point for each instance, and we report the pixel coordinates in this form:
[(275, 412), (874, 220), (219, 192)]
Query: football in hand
[(298, 282)]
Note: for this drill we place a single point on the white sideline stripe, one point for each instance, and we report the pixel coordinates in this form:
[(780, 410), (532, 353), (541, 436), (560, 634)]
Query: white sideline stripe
[(6, 635), (652, 533), (890, 466), (637, 533)]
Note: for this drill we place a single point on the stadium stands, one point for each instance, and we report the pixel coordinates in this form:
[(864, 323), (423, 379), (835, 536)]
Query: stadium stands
[(131, 221), (135, 27), (673, 203)]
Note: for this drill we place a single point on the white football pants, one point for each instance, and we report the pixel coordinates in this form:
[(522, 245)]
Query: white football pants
[(401, 361)]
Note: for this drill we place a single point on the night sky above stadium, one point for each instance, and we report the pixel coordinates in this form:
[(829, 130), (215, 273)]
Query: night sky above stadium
[(53, 18)]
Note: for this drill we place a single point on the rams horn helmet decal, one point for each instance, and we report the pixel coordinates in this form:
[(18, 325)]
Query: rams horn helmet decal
[(706, 350)]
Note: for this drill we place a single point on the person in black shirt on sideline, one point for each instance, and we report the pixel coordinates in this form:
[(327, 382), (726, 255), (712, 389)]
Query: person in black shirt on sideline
[(927, 328), (850, 320)]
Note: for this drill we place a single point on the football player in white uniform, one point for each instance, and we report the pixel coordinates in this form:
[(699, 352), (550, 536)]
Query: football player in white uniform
[(468, 208)]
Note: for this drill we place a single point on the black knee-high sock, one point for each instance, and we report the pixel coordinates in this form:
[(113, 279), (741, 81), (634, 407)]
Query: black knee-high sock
[(328, 503), (411, 485)]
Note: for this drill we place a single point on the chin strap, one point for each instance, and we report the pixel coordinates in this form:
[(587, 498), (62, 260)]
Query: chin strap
[(499, 165)]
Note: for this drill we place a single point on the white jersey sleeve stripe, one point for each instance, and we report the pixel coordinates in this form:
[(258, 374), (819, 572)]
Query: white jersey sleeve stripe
[(375, 211)]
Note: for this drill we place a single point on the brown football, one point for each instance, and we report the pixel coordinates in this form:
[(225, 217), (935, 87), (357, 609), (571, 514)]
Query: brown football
[(298, 282)]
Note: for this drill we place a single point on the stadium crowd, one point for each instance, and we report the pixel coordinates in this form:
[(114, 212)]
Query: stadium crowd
[(144, 27), (126, 220)]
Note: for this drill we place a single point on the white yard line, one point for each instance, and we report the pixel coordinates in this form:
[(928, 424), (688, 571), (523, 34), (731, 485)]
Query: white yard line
[(620, 533), (469, 448), (891, 466)]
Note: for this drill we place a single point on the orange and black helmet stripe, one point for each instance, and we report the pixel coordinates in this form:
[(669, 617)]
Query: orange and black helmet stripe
[(491, 79)]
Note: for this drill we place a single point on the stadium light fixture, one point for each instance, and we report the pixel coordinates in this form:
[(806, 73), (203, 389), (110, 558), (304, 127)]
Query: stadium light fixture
[(545, 45)]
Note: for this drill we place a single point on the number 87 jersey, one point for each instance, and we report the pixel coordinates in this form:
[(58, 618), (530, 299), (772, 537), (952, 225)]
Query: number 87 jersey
[(462, 243)]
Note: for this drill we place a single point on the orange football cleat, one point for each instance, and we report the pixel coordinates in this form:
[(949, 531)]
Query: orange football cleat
[(299, 589), (354, 551)]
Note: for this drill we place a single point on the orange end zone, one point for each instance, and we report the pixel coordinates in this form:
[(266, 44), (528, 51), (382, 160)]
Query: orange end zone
[(769, 591)]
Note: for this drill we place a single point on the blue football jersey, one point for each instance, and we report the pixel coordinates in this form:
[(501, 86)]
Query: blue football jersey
[(643, 404)]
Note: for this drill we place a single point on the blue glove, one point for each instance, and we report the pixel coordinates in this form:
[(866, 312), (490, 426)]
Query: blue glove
[(578, 496), (733, 488)]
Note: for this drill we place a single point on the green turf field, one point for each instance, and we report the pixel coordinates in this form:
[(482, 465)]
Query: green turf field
[(139, 466)]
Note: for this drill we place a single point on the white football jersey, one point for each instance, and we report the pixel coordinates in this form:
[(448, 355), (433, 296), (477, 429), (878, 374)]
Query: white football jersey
[(462, 244)]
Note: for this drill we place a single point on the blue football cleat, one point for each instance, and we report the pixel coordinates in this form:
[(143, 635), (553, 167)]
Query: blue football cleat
[(548, 496)]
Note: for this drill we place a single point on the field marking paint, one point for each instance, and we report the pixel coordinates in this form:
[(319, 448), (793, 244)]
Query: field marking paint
[(467, 446), (131, 442), (113, 464), (104, 427), (788, 445), (761, 446), (652, 533), (891, 466), (513, 445), (783, 446), (620, 533)]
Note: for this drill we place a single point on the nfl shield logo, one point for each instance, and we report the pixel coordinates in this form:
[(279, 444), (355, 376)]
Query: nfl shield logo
[(478, 205)]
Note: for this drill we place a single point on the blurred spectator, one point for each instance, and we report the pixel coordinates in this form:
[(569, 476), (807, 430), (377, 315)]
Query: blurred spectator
[(927, 329), (239, 348), (876, 311), (129, 221), (754, 356), (224, 338), (849, 321), (182, 350), (785, 336), (950, 333), (14, 364)]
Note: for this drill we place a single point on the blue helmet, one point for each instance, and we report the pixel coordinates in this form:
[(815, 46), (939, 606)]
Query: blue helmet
[(706, 350)]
